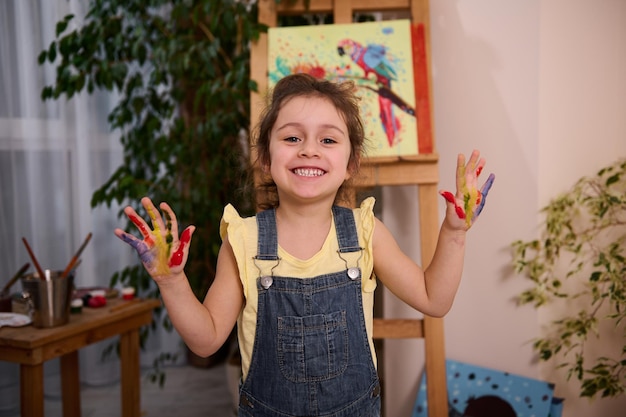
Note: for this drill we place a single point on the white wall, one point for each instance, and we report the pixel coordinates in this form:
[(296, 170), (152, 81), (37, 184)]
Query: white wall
[(540, 88), (582, 124)]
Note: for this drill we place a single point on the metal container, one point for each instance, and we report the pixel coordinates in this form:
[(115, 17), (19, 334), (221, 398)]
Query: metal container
[(49, 298)]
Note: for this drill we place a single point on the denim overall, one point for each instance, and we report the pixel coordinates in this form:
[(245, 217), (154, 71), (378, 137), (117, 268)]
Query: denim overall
[(311, 355)]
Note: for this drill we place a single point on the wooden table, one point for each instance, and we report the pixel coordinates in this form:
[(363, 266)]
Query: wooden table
[(31, 347)]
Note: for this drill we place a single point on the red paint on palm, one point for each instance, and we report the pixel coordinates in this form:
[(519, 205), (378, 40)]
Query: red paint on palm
[(450, 199), (178, 255)]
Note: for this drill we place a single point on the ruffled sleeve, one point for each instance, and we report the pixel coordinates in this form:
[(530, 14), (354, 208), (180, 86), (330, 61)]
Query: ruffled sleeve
[(366, 222), (239, 236), (230, 222), (366, 214)]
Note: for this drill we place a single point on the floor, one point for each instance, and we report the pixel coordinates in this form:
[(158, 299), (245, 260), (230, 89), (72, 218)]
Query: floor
[(188, 391)]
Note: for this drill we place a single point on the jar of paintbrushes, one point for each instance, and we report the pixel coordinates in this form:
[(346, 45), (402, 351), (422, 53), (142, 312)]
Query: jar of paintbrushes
[(49, 292)]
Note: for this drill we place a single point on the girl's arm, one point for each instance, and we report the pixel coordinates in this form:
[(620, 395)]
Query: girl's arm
[(203, 326), (432, 291)]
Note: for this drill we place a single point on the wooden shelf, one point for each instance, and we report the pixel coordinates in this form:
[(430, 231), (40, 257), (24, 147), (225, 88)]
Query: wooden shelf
[(418, 170)]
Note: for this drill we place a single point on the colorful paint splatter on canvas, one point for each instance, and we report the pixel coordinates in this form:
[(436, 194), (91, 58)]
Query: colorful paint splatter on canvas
[(377, 56)]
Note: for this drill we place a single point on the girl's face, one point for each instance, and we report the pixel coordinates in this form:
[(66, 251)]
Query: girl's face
[(309, 150)]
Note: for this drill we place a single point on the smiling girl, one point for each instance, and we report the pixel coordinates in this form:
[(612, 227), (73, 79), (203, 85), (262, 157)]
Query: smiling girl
[(299, 277)]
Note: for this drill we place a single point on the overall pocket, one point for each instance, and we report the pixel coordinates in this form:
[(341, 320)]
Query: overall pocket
[(313, 348)]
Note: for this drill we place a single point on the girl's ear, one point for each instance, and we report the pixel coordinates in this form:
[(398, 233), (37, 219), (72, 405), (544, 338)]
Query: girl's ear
[(353, 165)]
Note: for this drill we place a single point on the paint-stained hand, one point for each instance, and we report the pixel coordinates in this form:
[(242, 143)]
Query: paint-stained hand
[(469, 201), (161, 250)]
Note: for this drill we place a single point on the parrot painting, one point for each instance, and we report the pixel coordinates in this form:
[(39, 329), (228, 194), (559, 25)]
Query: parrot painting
[(372, 60)]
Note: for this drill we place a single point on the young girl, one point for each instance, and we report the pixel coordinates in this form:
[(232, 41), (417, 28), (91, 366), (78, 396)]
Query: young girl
[(298, 278)]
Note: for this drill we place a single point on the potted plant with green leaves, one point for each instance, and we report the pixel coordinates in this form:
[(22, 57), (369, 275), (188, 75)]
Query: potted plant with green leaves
[(181, 70), (580, 258)]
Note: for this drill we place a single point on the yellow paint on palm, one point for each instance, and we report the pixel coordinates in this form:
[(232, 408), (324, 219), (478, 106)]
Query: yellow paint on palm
[(470, 195), (161, 265), (169, 238)]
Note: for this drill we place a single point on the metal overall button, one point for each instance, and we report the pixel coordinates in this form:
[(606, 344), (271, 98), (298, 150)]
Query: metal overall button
[(266, 281), (354, 273)]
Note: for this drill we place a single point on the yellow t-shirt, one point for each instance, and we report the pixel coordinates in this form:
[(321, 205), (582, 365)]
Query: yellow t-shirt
[(242, 234)]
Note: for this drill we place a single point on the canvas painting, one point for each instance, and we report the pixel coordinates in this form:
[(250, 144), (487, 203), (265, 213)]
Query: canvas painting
[(478, 391), (377, 56)]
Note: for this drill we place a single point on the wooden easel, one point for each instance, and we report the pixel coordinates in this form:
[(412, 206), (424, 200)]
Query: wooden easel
[(420, 170)]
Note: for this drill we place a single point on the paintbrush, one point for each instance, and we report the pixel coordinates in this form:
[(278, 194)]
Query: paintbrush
[(74, 259), (15, 277), (32, 257), (75, 266)]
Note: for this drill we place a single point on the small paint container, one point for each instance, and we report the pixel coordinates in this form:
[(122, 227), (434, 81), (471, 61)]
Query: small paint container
[(21, 304), (76, 306), (5, 304), (98, 293), (128, 293), (95, 299)]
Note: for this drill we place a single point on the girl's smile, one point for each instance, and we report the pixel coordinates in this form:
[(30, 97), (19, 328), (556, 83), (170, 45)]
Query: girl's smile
[(309, 149), (305, 172)]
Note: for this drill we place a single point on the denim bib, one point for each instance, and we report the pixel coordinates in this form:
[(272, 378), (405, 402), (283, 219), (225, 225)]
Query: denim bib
[(311, 355)]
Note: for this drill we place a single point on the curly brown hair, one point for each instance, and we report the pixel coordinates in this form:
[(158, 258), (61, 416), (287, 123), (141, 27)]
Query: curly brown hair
[(341, 95)]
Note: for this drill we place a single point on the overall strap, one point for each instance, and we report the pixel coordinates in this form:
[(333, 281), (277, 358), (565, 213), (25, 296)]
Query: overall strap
[(345, 227), (346, 230), (267, 248)]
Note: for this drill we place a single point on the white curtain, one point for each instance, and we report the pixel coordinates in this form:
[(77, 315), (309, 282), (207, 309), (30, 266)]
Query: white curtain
[(53, 155)]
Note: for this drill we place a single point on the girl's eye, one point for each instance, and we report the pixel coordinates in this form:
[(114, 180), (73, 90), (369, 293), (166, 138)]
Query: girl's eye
[(328, 141), (291, 139)]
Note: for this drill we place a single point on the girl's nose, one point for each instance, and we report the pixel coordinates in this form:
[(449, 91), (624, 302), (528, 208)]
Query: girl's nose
[(309, 149)]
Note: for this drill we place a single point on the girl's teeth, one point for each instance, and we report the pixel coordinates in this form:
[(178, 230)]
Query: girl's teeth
[(306, 172)]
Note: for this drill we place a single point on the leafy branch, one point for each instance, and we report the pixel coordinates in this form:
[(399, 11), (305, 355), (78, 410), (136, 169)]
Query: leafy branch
[(181, 70), (581, 255)]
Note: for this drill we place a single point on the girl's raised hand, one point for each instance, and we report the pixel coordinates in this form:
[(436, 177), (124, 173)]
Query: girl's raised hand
[(161, 250), (469, 200)]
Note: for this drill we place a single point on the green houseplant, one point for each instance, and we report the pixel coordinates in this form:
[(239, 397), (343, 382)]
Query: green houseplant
[(181, 69), (581, 258)]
